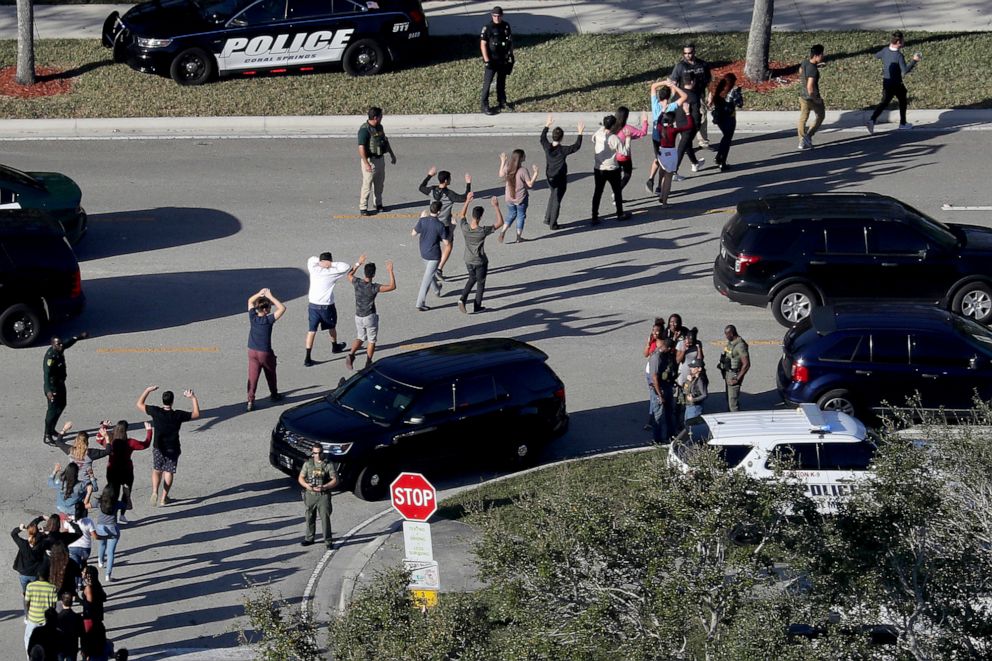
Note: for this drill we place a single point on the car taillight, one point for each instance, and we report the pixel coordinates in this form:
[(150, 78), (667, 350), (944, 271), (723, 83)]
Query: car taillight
[(416, 16), (800, 373), (743, 261), (560, 394), (77, 285)]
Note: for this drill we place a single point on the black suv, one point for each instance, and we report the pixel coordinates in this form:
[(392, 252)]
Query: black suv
[(39, 276), (448, 403), (854, 357), (801, 251)]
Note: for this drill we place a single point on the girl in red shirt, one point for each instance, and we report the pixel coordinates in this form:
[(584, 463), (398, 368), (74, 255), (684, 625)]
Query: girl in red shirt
[(668, 154)]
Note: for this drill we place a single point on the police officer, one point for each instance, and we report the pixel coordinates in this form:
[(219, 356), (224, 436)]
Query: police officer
[(496, 44), (734, 364), (54, 374), (372, 149), (317, 477)]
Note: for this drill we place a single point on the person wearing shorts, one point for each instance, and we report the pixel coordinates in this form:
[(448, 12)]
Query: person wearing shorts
[(166, 449), (324, 273), (661, 102), (366, 317), (668, 153)]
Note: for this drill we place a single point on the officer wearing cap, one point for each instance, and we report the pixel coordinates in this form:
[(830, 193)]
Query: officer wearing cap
[(496, 44)]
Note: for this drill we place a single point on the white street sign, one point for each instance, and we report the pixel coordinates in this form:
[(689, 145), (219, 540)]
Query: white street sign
[(417, 541), (424, 575)]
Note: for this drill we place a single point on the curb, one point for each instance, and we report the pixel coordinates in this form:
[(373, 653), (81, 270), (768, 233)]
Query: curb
[(446, 125), (350, 578)]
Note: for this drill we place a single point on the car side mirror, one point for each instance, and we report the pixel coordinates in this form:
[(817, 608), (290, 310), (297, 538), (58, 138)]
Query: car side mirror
[(416, 420)]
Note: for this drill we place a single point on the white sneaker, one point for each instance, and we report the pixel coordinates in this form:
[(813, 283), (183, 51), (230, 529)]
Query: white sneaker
[(704, 144), (905, 126), (107, 578), (698, 165), (99, 563), (802, 145), (871, 127), (122, 519)]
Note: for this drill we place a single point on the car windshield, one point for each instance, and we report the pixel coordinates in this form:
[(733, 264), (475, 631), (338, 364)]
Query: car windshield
[(22, 178), (933, 228), (375, 397), (220, 10), (974, 331)]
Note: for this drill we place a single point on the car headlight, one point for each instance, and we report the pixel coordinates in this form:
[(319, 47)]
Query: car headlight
[(148, 42), (336, 449)]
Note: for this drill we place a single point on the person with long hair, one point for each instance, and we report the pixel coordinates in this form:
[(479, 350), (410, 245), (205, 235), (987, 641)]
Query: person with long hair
[(79, 549), (606, 148), (668, 154), (63, 572), (82, 454), (627, 134), (696, 389), (661, 103), (69, 489), (120, 468), (725, 100), (108, 533), (657, 332), (30, 551), (92, 598), (518, 179)]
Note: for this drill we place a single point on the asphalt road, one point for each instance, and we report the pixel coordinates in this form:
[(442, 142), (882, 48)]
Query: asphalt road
[(182, 232)]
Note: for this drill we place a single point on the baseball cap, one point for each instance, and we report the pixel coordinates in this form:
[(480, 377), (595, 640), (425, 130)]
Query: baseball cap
[(695, 362), (497, 11)]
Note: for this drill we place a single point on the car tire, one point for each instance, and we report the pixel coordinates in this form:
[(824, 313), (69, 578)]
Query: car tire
[(20, 326), (193, 66), (365, 57), (837, 400), (521, 454), (373, 481), (974, 301), (793, 304)]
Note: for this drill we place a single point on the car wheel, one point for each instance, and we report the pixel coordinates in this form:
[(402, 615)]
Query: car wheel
[(373, 481), (836, 400), (974, 300), (193, 66), (20, 326), (365, 57), (793, 304)]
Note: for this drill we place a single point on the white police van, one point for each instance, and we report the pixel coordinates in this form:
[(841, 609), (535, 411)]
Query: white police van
[(829, 452)]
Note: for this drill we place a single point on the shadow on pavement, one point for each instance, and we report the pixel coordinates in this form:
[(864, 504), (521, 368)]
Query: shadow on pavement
[(141, 230)]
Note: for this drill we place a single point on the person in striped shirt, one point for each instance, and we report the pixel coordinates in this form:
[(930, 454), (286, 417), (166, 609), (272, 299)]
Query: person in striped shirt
[(39, 596)]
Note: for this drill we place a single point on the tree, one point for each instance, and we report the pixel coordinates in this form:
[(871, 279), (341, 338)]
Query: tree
[(759, 40), (25, 42)]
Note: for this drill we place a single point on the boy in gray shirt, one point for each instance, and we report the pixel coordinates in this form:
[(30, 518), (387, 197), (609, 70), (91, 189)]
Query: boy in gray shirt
[(442, 193), (476, 261), (366, 317), (894, 67)]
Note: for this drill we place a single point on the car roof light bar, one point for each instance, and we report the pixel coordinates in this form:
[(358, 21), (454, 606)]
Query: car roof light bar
[(814, 417)]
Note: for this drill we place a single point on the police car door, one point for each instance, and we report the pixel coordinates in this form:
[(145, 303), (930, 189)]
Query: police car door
[(259, 37), (843, 468)]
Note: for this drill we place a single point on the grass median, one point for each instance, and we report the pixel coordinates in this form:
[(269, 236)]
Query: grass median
[(557, 73)]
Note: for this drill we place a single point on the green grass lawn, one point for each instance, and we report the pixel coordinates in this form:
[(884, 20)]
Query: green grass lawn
[(553, 73)]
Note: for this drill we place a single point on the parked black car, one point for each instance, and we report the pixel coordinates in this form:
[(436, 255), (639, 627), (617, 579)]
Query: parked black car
[(194, 40), (797, 252), (52, 192), (492, 398), (854, 357), (39, 276)]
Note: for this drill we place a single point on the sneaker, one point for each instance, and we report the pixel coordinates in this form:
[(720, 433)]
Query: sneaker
[(121, 518), (153, 500), (349, 362), (276, 397), (490, 111), (553, 226), (99, 563), (379, 208), (165, 500), (423, 308), (306, 542), (704, 144), (250, 407), (803, 146), (439, 274), (107, 578), (366, 212), (649, 185), (461, 307), (594, 221), (676, 177), (870, 124), (308, 363), (657, 189), (624, 216), (903, 127), (698, 165), (479, 308), (337, 347)]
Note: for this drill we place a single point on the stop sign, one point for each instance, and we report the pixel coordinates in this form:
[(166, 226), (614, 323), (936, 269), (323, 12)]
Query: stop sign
[(413, 496)]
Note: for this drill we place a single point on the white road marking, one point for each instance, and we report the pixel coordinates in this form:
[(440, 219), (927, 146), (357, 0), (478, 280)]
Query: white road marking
[(953, 207)]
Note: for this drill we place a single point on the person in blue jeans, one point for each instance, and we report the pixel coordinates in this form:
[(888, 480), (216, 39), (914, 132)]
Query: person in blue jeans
[(107, 531), (696, 389), (725, 101), (662, 370), (518, 179), (430, 232)]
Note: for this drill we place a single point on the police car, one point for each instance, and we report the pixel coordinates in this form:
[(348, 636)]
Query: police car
[(195, 40), (828, 452)]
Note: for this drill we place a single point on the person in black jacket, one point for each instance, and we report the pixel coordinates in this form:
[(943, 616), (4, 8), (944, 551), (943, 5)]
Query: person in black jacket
[(496, 44), (30, 551), (442, 193), (699, 70), (557, 168)]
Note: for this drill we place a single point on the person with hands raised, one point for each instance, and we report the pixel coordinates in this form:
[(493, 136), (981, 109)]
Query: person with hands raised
[(166, 448), (366, 316), (261, 357), (518, 179), (442, 193), (556, 169), (120, 468), (476, 261)]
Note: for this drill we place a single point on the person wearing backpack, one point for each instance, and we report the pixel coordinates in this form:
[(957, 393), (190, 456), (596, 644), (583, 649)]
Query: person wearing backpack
[(442, 193), (372, 149)]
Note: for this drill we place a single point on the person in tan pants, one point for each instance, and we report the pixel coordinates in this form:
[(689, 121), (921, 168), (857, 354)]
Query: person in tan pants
[(372, 149), (809, 97)]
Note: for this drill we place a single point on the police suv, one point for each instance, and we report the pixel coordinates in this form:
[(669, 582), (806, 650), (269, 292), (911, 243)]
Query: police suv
[(194, 40), (828, 452)]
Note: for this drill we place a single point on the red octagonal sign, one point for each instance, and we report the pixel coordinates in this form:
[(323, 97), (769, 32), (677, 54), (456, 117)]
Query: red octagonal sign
[(413, 496)]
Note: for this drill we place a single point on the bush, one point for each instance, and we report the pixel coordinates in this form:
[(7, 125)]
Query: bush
[(275, 635)]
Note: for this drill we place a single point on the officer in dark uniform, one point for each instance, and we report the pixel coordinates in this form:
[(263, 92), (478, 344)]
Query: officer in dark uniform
[(317, 477), (54, 370), (496, 44)]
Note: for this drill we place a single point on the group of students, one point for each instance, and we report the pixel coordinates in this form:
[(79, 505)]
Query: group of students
[(678, 385), (53, 553)]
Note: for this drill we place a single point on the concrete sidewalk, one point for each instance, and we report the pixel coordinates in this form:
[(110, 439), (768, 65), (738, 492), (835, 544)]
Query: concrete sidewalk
[(466, 17), (508, 124)]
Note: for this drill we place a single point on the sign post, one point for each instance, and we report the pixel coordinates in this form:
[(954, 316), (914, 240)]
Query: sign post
[(416, 500)]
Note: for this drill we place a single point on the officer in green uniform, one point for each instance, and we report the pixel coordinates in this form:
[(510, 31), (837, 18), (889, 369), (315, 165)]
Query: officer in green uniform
[(54, 386), (734, 364), (317, 477)]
